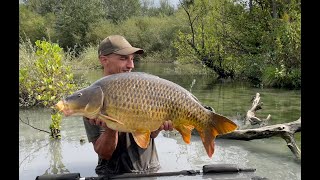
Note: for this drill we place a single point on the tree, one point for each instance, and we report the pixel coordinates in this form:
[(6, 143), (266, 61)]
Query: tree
[(44, 7), (31, 25), (200, 41), (73, 21), (120, 10), (258, 40), (148, 8)]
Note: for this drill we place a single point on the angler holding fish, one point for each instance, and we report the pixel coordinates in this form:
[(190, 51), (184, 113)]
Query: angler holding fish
[(130, 110)]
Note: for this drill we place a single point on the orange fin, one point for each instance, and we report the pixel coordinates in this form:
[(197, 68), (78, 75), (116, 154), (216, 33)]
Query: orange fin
[(108, 118), (218, 124), (142, 138), (185, 131), (208, 138), (222, 124)]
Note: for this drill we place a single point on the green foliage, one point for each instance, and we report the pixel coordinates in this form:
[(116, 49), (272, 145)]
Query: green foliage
[(186, 54), (88, 59), (55, 125), (230, 36), (100, 30), (281, 77), (73, 22), (43, 7), (31, 25), (285, 43), (164, 56), (251, 68), (201, 42), (120, 10), (243, 39), (154, 34), (43, 79), (191, 69), (148, 8)]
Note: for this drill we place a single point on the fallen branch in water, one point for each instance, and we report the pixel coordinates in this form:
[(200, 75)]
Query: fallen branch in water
[(33, 126), (285, 131), (251, 113)]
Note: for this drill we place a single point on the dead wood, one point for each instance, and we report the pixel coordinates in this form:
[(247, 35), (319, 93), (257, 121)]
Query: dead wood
[(27, 123), (285, 130), (251, 117)]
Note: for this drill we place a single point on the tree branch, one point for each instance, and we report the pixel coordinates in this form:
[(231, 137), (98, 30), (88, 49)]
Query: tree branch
[(33, 126), (251, 113)]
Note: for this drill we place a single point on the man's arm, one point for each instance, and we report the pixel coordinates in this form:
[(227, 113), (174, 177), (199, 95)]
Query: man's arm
[(106, 143)]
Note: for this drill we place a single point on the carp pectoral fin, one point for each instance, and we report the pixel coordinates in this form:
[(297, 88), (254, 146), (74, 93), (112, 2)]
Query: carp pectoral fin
[(108, 118), (185, 131), (142, 138)]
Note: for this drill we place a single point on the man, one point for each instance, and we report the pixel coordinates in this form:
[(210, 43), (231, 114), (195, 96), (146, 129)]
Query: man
[(117, 151)]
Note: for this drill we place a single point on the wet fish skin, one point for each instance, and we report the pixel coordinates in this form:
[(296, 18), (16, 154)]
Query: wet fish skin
[(139, 103)]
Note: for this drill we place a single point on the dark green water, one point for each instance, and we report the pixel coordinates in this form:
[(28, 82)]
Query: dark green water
[(271, 157)]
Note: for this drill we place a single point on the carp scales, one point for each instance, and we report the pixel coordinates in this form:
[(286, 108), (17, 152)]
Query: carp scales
[(139, 103)]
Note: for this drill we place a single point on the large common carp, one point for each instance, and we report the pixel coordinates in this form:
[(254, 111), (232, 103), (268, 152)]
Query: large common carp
[(139, 103)]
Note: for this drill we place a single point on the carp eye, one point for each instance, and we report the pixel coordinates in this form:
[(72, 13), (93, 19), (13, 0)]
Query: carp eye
[(79, 94)]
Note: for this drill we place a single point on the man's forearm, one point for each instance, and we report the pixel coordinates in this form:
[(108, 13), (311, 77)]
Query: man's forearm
[(106, 143)]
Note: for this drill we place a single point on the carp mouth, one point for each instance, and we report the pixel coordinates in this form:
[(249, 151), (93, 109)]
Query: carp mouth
[(63, 108)]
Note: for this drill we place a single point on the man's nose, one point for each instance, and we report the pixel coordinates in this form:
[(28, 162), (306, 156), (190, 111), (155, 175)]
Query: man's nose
[(130, 64)]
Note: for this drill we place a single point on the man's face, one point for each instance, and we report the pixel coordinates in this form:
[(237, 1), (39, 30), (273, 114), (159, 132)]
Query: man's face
[(114, 63)]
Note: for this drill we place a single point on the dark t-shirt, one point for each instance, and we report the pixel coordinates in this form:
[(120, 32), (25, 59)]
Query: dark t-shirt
[(127, 157)]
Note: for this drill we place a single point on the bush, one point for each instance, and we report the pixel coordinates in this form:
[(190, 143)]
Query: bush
[(282, 78), (88, 59), (43, 78), (32, 26)]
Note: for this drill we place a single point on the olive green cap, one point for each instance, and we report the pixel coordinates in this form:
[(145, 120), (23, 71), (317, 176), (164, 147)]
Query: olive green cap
[(117, 44)]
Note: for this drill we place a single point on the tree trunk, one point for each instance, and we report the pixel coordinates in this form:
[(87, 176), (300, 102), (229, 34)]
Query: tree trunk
[(285, 131)]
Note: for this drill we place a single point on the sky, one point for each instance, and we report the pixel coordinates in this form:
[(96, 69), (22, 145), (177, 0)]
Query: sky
[(172, 2)]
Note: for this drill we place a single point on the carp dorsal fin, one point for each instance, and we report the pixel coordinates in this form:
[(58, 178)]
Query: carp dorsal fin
[(185, 131), (142, 138), (108, 118)]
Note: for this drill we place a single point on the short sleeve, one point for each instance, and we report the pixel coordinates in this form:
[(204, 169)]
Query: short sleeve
[(93, 131)]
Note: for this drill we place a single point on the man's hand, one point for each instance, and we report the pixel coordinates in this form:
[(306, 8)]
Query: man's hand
[(167, 126), (98, 122)]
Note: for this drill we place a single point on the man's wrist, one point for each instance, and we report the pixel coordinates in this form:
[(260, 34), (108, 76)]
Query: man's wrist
[(110, 132), (155, 133)]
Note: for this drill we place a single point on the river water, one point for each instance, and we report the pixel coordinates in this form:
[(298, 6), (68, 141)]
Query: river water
[(272, 159)]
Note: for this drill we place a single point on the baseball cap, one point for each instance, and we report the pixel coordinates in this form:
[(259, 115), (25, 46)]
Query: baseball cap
[(117, 44)]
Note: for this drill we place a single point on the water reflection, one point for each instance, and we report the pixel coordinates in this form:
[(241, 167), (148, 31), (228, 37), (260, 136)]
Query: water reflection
[(56, 165)]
